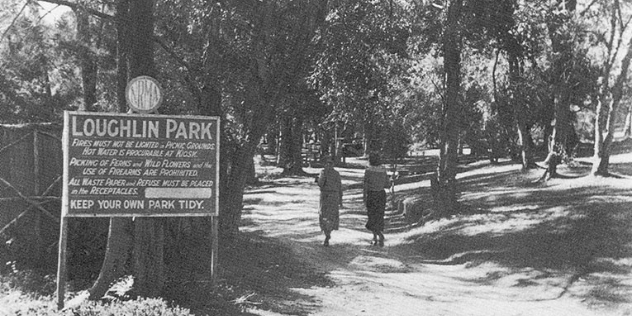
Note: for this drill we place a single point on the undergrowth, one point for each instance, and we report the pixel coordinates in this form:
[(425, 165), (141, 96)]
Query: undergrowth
[(27, 293)]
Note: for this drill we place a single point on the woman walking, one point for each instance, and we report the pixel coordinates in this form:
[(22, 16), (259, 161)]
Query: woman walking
[(375, 181), (330, 199)]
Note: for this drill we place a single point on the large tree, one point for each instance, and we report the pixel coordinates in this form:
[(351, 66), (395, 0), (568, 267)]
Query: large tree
[(611, 91), (357, 50), (143, 237), (440, 30), (240, 61), (514, 30), (563, 59), (452, 44)]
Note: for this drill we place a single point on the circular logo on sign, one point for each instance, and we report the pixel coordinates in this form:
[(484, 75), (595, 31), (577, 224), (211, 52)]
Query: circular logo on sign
[(143, 94)]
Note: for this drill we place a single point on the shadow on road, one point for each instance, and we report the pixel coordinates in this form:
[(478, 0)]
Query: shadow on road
[(578, 230), (585, 232)]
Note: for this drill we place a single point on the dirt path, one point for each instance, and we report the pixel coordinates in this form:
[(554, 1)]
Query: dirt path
[(535, 250)]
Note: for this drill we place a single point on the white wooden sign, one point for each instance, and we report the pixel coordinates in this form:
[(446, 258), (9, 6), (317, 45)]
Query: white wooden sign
[(140, 165)]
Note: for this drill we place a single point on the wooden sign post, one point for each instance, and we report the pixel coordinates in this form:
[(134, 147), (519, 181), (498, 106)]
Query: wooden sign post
[(138, 165)]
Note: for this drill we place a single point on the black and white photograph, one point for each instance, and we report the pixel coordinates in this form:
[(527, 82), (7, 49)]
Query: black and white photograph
[(315, 157)]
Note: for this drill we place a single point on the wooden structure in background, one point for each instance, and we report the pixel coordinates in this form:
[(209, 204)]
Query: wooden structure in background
[(30, 190)]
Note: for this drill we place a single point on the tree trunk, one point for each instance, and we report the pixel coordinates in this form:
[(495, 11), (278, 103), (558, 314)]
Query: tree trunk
[(562, 48), (148, 255), (241, 159), (602, 143), (87, 60), (561, 129), (122, 52), (446, 190), (297, 152), (526, 151), (142, 38), (116, 256), (232, 203), (601, 158), (627, 126), (518, 106), (292, 144), (285, 142), (120, 237), (148, 241)]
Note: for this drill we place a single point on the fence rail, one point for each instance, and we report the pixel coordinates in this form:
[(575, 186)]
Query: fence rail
[(30, 189)]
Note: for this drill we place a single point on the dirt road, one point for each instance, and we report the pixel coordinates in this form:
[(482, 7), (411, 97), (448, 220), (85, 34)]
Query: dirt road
[(562, 248)]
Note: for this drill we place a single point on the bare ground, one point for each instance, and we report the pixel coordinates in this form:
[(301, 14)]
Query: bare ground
[(563, 247)]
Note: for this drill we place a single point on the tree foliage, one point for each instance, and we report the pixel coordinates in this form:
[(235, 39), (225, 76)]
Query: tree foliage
[(359, 49), (613, 66), (39, 78), (242, 61), (504, 77)]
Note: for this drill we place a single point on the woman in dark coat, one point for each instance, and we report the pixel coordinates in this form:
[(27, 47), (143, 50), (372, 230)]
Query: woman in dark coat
[(375, 181), (330, 199)]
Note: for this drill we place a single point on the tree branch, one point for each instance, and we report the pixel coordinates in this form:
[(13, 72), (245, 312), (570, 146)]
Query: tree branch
[(74, 6), (13, 22), (587, 8), (195, 88), (172, 53)]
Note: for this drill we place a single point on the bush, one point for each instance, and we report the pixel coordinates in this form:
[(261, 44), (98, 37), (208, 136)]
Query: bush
[(30, 293), (140, 307), (27, 281), (19, 304)]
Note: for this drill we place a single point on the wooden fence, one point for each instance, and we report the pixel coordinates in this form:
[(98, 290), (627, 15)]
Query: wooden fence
[(30, 190)]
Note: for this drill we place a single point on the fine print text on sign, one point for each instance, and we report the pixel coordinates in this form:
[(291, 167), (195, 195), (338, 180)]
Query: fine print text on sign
[(140, 165)]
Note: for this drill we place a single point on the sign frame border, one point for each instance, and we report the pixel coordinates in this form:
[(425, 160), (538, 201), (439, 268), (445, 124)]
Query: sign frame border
[(66, 160)]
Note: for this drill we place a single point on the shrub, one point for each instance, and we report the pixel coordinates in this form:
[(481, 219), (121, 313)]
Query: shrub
[(140, 307), (16, 303), (27, 281)]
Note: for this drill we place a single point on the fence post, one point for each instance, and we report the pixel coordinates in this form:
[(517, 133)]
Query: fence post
[(61, 263)]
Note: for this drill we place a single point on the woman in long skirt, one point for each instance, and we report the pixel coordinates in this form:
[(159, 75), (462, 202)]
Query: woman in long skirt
[(330, 199), (375, 181)]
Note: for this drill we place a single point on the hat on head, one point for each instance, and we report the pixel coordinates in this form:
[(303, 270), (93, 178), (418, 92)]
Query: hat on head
[(375, 159)]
